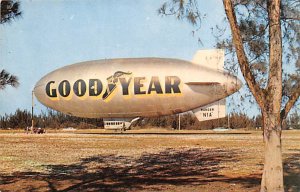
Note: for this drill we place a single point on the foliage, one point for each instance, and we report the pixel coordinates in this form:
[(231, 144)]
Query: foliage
[(49, 119), (294, 121), (264, 35), (10, 10), (7, 79), (253, 23), (189, 121), (57, 120)]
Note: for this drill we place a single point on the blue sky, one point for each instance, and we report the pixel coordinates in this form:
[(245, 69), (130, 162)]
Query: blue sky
[(52, 34)]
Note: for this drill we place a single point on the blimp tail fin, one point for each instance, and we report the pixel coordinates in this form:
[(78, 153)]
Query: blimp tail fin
[(210, 58), (211, 111)]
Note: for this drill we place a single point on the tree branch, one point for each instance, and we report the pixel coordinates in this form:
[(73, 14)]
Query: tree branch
[(290, 18), (275, 70), (292, 100), (242, 59)]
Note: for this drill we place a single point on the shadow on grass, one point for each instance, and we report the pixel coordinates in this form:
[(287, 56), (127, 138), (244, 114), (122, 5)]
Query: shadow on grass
[(292, 172), (152, 171)]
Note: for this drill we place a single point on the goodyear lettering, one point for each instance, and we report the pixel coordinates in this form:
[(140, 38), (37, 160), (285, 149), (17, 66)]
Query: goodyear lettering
[(155, 86), (94, 87), (64, 88), (79, 88), (49, 91), (125, 85), (172, 84), (138, 85)]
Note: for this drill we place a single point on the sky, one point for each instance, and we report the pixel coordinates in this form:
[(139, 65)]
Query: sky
[(52, 34)]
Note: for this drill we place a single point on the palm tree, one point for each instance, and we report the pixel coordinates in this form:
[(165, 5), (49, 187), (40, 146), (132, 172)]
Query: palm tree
[(7, 79), (10, 10)]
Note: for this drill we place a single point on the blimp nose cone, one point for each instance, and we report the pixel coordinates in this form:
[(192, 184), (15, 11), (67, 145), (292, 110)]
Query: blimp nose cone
[(233, 84), (39, 91), (37, 88)]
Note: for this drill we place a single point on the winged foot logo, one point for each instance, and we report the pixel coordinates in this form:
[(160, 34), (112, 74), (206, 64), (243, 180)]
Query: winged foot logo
[(112, 83)]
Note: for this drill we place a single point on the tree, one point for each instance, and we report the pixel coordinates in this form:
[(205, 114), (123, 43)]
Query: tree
[(7, 79), (264, 34), (294, 121), (10, 10)]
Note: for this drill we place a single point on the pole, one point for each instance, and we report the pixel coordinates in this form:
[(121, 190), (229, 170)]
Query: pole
[(32, 104), (228, 124), (219, 114), (179, 121)]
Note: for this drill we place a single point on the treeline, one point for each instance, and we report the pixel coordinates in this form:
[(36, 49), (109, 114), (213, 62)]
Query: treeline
[(235, 121), (189, 121), (56, 120), (48, 119)]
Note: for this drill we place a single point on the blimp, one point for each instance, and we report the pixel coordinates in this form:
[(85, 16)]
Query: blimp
[(123, 90)]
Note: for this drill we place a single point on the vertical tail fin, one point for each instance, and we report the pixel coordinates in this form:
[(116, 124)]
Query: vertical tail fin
[(211, 58)]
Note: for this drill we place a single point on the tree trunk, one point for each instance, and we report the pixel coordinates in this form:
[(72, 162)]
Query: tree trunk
[(268, 99), (272, 177)]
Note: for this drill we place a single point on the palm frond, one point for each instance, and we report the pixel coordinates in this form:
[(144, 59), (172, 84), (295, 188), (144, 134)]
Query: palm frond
[(8, 79)]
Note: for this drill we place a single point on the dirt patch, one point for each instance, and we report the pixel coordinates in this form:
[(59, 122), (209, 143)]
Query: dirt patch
[(93, 161)]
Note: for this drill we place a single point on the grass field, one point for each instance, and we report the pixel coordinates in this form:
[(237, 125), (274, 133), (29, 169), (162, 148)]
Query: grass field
[(142, 160)]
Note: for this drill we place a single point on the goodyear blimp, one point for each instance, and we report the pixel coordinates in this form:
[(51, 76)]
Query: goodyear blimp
[(123, 90)]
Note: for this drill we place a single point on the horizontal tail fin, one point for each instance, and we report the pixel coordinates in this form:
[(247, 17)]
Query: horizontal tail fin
[(203, 83)]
